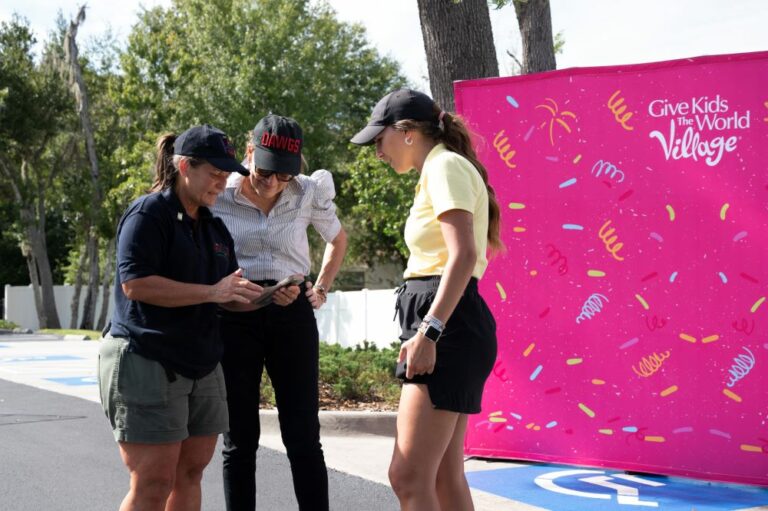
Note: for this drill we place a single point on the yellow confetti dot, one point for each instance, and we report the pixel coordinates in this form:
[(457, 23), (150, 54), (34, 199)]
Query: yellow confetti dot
[(595, 273), (757, 304), (671, 213), (642, 302), (751, 448), (598, 382), (534, 273), (516, 205), (658, 439), (605, 431), (711, 338), (494, 414), (529, 426), (732, 395), (497, 419), (687, 337), (669, 390), (518, 229), (723, 211), (573, 361), (584, 408), (536, 428), (502, 293), (577, 159), (529, 349)]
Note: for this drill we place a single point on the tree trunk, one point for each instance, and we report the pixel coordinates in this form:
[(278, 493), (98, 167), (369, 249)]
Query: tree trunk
[(458, 41), (106, 284), (535, 21), (89, 306), (74, 307), (40, 268), (81, 97)]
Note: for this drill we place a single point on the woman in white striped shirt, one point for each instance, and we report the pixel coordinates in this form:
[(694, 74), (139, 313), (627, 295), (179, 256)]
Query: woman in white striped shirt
[(268, 214)]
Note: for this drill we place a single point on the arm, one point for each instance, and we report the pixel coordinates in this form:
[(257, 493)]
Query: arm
[(458, 232), (332, 259), (232, 290)]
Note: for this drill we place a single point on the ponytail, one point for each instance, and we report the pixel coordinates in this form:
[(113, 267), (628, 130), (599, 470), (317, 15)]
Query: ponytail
[(452, 131), (165, 166)]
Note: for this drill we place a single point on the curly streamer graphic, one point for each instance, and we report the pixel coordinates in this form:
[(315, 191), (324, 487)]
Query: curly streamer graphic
[(592, 306), (744, 326), (655, 323), (650, 364), (743, 364), (557, 257), (615, 106), (610, 241), (607, 168), (504, 150)]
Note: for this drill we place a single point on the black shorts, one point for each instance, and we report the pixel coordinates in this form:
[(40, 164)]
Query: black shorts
[(466, 351)]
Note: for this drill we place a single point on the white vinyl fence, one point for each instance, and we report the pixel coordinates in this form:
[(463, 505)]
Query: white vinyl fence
[(349, 318)]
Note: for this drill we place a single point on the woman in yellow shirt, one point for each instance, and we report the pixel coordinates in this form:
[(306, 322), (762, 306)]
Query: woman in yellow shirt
[(448, 333)]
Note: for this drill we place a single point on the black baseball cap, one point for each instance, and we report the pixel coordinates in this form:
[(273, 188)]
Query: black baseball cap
[(277, 142), (396, 106), (210, 144)]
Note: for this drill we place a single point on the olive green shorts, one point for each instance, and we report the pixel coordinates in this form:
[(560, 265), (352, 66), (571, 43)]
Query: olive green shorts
[(143, 406)]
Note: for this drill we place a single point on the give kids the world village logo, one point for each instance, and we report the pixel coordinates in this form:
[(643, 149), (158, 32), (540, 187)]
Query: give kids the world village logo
[(700, 129)]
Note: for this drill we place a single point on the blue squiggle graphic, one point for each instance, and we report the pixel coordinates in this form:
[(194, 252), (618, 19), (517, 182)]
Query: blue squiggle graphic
[(592, 306)]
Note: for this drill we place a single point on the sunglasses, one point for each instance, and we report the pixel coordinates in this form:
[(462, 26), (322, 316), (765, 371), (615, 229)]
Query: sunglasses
[(281, 176)]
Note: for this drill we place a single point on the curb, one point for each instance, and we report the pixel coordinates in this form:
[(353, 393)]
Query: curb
[(340, 423)]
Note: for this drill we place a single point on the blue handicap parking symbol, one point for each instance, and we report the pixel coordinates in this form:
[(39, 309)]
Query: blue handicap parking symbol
[(561, 488), (38, 358), (75, 380)]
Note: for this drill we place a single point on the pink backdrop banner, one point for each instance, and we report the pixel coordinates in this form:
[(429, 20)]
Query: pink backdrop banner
[(630, 302)]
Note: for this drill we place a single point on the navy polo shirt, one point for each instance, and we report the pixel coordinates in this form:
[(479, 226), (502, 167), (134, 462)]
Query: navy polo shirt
[(156, 237)]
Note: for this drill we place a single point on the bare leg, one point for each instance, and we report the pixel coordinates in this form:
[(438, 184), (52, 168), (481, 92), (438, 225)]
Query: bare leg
[(423, 436), (196, 453), (153, 469), (452, 488)]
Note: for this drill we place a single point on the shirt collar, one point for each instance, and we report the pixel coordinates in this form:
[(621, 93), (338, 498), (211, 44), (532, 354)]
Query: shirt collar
[(174, 204)]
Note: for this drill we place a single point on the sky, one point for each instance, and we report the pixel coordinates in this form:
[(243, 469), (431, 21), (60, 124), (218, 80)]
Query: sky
[(596, 32)]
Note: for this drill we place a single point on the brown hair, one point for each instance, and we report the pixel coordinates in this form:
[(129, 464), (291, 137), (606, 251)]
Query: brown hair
[(453, 132), (167, 163)]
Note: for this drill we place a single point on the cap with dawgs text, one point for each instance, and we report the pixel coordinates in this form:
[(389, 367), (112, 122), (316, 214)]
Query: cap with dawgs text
[(277, 143)]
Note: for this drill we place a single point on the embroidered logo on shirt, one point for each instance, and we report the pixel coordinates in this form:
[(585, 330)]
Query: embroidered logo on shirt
[(221, 250)]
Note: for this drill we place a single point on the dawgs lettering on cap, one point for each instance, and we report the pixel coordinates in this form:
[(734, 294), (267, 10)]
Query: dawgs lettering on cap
[(292, 145)]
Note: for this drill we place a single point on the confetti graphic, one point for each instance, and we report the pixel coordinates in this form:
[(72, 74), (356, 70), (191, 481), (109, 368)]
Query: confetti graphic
[(632, 327)]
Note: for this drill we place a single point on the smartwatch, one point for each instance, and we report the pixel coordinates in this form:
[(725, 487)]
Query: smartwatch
[(430, 331)]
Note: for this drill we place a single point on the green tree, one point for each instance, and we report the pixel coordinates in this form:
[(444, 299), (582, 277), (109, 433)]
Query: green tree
[(35, 144)]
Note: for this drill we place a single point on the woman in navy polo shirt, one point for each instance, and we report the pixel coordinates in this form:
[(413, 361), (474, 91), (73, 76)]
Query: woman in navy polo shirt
[(268, 214), (159, 374)]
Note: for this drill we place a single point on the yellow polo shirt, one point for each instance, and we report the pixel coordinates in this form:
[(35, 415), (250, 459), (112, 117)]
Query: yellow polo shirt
[(448, 181)]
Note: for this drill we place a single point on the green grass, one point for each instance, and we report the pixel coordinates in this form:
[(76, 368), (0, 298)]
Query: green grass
[(92, 334)]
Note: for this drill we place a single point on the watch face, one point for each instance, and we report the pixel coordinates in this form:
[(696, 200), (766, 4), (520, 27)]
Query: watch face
[(432, 333)]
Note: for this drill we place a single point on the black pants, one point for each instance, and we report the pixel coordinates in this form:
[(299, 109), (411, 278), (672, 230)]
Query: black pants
[(285, 340)]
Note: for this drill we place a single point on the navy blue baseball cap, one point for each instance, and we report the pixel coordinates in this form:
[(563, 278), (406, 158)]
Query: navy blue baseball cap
[(210, 144), (396, 106)]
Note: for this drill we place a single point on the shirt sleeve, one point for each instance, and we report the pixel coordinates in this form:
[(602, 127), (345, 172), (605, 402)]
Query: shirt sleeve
[(324, 217), (452, 183), (140, 247)]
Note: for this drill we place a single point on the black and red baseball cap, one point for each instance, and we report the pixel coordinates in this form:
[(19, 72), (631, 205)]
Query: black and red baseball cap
[(396, 106), (210, 144), (277, 143)]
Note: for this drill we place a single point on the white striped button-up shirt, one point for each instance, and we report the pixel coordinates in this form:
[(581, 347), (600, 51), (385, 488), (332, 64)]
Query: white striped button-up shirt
[(274, 246)]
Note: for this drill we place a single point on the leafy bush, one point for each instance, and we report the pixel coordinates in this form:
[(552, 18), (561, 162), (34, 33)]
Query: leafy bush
[(7, 325), (363, 374)]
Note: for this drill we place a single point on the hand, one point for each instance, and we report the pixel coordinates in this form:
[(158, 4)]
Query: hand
[(234, 288), (286, 295), (419, 354), (316, 299)]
